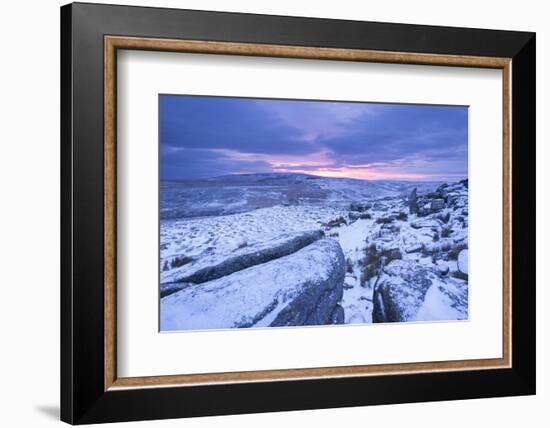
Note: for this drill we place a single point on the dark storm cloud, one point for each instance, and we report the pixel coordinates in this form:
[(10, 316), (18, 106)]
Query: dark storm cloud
[(225, 123)]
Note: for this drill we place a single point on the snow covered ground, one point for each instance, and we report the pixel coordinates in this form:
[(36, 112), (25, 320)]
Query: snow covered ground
[(402, 248), (222, 235), (246, 192)]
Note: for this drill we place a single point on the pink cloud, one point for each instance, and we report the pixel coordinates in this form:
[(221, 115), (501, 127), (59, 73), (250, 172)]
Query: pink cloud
[(361, 173)]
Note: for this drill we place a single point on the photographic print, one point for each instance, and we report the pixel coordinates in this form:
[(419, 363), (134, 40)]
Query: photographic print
[(286, 213)]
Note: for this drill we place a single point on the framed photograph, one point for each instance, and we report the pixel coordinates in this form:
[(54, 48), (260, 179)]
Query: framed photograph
[(265, 213)]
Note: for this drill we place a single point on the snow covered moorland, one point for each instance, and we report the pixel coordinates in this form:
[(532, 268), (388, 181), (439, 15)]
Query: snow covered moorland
[(262, 250)]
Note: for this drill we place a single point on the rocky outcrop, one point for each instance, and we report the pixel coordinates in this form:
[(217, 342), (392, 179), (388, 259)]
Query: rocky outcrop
[(358, 215), (412, 202), (443, 197), (399, 291), (407, 291), (303, 288), (437, 204), (209, 269), (359, 207)]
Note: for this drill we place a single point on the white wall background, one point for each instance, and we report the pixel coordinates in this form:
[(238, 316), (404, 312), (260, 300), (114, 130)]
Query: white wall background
[(29, 214)]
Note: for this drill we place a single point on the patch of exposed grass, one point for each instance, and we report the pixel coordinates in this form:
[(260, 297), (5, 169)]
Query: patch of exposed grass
[(180, 261), (339, 221), (444, 217), (402, 216), (446, 232), (384, 220), (349, 265)]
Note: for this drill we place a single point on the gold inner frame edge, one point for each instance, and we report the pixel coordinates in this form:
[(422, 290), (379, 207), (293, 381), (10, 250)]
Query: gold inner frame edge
[(113, 43)]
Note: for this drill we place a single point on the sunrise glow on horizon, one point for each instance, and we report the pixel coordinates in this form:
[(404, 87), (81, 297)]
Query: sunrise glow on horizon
[(364, 174)]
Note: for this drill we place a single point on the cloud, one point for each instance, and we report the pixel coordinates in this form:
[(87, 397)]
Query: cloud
[(178, 163), (319, 121), (206, 136), (225, 123)]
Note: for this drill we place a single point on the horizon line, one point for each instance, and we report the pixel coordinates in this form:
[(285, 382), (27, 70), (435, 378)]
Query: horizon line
[(315, 176)]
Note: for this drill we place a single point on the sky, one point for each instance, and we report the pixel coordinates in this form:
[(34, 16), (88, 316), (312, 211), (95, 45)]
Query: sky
[(202, 137)]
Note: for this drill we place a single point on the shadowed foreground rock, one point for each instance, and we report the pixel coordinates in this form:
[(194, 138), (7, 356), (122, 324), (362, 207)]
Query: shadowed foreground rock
[(303, 288), (406, 291), (242, 258)]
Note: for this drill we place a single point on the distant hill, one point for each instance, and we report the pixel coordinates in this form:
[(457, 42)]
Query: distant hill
[(231, 194)]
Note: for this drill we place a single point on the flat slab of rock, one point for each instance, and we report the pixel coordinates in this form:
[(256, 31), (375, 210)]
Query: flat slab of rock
[(303, 288), (208, 269), (428, 223), (172, 287), (414, 248)]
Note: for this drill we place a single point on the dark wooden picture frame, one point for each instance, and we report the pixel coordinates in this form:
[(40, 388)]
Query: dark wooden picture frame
[(90, 389)]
